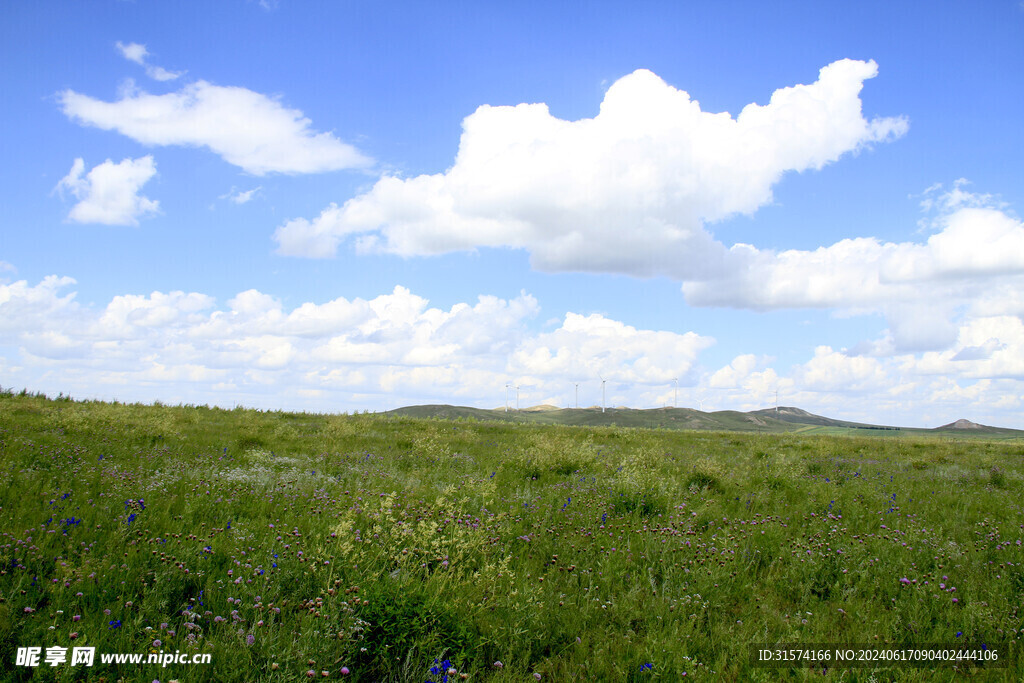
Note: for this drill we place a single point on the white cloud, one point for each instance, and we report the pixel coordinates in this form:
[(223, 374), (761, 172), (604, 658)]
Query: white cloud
[(584, 347), (241, 197), (247, 129), (28, 308), (396, 349), (831, 370), (393, 347), (974, 243), (986, 348), (974, 262), (109, 193), (134, 52), (627, 191), (732, 375)]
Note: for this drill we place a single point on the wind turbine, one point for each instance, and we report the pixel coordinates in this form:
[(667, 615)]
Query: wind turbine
[(675, 394), (577, 395), (507, 385), (602, 393), (517, 398), (700, 404)]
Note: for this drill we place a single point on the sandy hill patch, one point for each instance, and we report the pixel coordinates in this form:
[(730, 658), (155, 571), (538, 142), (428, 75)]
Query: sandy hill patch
[(962, 424)]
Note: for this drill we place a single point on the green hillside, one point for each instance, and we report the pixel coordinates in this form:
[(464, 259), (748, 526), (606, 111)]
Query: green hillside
[(768, 420)]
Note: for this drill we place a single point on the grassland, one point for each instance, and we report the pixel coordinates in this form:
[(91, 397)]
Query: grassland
[(290, 545)]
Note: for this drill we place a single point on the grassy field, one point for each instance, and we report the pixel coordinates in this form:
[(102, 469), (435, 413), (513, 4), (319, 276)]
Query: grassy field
[(297, 546)]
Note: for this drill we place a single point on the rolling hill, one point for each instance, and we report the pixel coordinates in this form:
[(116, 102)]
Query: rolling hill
[(767, 420)]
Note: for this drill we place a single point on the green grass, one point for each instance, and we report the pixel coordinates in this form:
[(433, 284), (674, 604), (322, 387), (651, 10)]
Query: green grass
[(285, 543)]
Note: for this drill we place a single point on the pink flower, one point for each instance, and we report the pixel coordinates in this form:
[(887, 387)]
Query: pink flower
[(344, 671)]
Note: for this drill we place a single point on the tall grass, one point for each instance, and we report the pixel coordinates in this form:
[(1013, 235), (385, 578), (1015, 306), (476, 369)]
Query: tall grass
[(287, 545)]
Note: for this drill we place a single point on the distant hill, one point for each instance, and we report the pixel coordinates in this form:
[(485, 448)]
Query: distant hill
[(798, 416), (784, 419), (967, 428)]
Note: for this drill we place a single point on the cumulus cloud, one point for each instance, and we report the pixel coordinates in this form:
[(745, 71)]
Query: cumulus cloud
[(30, 308), (584, 347), (972, 263), (109, 193), (627, 191), (246, 128), (831, 370), (396, 349), (134, 52), (973, 244), (986, 348)]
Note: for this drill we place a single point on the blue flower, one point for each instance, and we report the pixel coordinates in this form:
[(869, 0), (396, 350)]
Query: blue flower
[(114, 624), (440, 670)]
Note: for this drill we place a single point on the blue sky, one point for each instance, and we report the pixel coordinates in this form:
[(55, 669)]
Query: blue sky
[(346, 206)]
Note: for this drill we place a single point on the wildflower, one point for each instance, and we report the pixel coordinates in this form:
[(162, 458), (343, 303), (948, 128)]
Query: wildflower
[(344, 671), (537, 676), (29, 610), (498, 665), (959, 633), (157, 643), (114, 624)]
